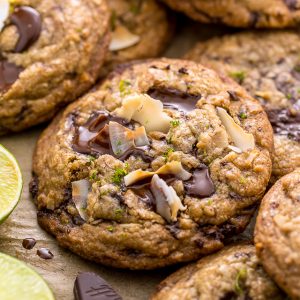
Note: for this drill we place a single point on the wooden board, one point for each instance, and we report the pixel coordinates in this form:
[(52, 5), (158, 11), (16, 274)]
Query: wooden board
[(61, 271)]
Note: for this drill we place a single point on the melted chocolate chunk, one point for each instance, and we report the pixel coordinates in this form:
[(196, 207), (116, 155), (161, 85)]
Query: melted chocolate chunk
[(28, 243), (89, 286), (44, 253), (9, 73), (286, 122), (174, 99), (233, 96), (200, 184), (29, 24), (93, 137)]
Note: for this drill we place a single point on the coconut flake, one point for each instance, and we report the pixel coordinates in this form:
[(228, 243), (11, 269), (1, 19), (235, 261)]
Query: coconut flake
[(241, 139), (80, 190), (122, 38), (145, 110), (235, 149), (174, 168), (167, 202), (4, 12), (123, 139)]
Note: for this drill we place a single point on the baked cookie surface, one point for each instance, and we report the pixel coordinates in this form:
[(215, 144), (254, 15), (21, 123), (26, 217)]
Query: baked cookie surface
[(268, 66), (140, 29), (241, 13), (124, 182), (277, 233), (50, 54), (233, 273)]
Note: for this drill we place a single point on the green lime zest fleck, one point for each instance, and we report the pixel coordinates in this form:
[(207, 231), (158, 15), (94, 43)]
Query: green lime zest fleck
[(238, 76), (118, 175), (289, 96), (119, 213), (239, 281), (242, 180), (124, 87), (209, 202), (175, 123), (243, 115), (93, 176), (110, 228), (167, 153)]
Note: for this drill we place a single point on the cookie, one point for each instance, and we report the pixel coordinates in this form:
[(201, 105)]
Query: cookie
[(50, 54), (233, 273), (124, 182), (277, 233), (140, 29), (255, 13), (268, 66)]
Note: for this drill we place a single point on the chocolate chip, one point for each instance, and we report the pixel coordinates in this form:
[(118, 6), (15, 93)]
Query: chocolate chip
[(200, 184), (34, 187), (44, 253), (183, 71), (89, 286), (28, 243), (9, 73), (29, 24), (233, 96)]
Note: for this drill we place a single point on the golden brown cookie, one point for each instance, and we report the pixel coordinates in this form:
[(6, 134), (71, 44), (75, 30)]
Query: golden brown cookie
[(277, 233), (233, 273), (153, 168), (50, 53), (242, 13), (267, 64)]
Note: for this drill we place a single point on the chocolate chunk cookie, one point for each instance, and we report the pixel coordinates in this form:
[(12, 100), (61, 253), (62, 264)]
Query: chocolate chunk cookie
[(153, 168), (237, 13), (233, 273), (268, 66), (140, 29), (50, 53), (277, 233)]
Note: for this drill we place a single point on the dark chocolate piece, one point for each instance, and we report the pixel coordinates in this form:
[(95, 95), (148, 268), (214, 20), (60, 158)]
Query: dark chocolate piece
[(28, 243), (9, 73), (200, 185), (93, 137), (286, 122), (44, 253), (291, 4), (29, 24), (175, 99), (89, 286), (233, 96)]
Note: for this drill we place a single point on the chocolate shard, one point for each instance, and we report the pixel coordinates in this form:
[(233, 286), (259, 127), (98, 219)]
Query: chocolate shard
[(200, 185), (89, 286), (29, 24)]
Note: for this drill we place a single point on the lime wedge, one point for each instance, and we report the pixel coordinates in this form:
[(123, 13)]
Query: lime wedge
[(10, 183), (17, 281)]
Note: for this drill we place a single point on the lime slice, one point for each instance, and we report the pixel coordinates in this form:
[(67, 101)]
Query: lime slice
[(17, 281), (10, 183)]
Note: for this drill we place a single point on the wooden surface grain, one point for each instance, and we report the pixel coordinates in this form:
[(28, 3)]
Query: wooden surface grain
[(61, 271)]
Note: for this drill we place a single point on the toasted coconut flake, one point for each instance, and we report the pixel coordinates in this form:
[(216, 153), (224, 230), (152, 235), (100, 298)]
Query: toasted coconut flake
[(241, 139), (174, 168), (4, 12), (167, 202), (122, 38), (145, 110), (80, 190), (235, 149), (120, 138), (123, 139)]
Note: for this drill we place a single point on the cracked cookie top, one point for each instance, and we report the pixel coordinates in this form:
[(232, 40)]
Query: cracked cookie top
[(158, 159)]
